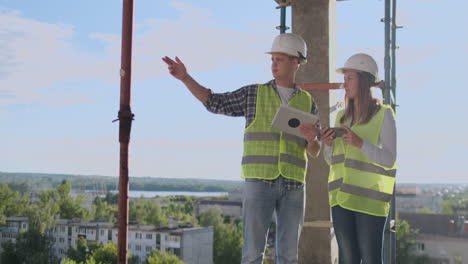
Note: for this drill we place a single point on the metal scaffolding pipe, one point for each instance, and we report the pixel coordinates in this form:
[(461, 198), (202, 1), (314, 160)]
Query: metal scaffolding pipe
[(283, 20), (392, 94), (387, 59), (125, 118)]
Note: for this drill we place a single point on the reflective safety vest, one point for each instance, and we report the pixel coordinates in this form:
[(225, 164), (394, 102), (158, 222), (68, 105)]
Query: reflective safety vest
[(355, 182), (269, 152)]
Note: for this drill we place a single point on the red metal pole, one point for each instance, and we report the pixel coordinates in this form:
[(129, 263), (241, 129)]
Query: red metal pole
[(320, 86), (125, 125)]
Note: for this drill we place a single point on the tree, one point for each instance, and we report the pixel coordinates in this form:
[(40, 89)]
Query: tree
[(31, 247), (106, 254), (111, 198), (94, 253), (102, 211), (82, 251), (227, 237), (211, 217), (146, 211), (43, 213), (88, 261), (406, 244), (11, 203), (69, 207), (159, 257), (22, 187)]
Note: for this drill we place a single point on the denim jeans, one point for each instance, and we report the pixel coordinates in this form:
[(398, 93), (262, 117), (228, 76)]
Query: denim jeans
[(359, 236), (260, 201)]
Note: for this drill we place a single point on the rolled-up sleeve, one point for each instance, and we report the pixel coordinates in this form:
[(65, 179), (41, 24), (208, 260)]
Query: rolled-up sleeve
[(230, 103)]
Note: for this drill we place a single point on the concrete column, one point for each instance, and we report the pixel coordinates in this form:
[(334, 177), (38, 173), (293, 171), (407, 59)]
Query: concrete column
[(314, 20)]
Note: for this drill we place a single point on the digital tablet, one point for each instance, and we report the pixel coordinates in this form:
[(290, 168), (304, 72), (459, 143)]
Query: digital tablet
[(288, 120)]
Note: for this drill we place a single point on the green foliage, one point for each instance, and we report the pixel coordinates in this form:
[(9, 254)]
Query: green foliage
[(11, 203), (106, 254), (111, 198), (31, 247), (82, 250), (44, 212), (101, 211), (69, 207), (94, 253), (211, 217), (159, 257), (227, 237), (22, 187), (53, 204), (146, 211), (41, 181), (181, 208), (406, 244)]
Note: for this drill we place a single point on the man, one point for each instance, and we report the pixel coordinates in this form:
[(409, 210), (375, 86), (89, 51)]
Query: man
[(274, 163)]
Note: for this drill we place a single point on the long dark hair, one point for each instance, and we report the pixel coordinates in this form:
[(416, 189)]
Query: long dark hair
[(366, 105)]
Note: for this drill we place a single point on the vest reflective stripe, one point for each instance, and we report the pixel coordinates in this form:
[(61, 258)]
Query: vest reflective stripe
[(336, 184), (368, 167), (299, 141), (337, 159), (293, 160), (253, 136), (364, 192), (253, 159), (261, 159), (271, 136)]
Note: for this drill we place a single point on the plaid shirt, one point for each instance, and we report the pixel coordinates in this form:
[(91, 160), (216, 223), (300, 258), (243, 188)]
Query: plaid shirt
[(242, 102)]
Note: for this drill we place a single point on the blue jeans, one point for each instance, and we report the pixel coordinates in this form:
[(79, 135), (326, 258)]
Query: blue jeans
[(259, 202), (359, 236)]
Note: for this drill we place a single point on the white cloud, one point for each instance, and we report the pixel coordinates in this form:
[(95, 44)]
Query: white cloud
[(35, 55)]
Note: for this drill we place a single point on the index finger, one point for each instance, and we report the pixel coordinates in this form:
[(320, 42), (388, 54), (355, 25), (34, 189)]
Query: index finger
[(168, 60)]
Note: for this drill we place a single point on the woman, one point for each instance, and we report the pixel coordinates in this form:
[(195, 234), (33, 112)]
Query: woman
[(362, 165)]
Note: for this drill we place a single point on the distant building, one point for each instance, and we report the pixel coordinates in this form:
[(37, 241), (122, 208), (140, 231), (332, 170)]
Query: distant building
[(236, 195), (232, 209), (444, 238), (410, 200), (192, 245)]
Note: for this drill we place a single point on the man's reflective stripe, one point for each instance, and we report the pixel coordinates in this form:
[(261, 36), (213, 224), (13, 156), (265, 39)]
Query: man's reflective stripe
[(337, 159), (293, 160), (259, 159), (298, 140), (261, 136), (335, 184), (271, 136), (364, 192), (364, 166)]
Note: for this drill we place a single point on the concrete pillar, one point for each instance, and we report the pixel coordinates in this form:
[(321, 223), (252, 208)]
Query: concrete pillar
[(314, 20)]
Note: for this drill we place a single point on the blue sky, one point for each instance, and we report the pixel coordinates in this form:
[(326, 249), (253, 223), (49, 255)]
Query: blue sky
[(59, 83)]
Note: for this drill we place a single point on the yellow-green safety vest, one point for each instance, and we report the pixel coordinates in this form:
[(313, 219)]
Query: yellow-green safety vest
[(269, 152), (355, 182)]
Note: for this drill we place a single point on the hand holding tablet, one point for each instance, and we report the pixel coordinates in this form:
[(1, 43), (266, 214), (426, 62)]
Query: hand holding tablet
[(288, 120)]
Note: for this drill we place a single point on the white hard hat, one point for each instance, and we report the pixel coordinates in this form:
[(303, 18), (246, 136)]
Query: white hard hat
[(361, 62), (290, 44)]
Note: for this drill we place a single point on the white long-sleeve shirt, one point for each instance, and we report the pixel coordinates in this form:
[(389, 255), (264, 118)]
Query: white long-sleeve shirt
[(385, 152)]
